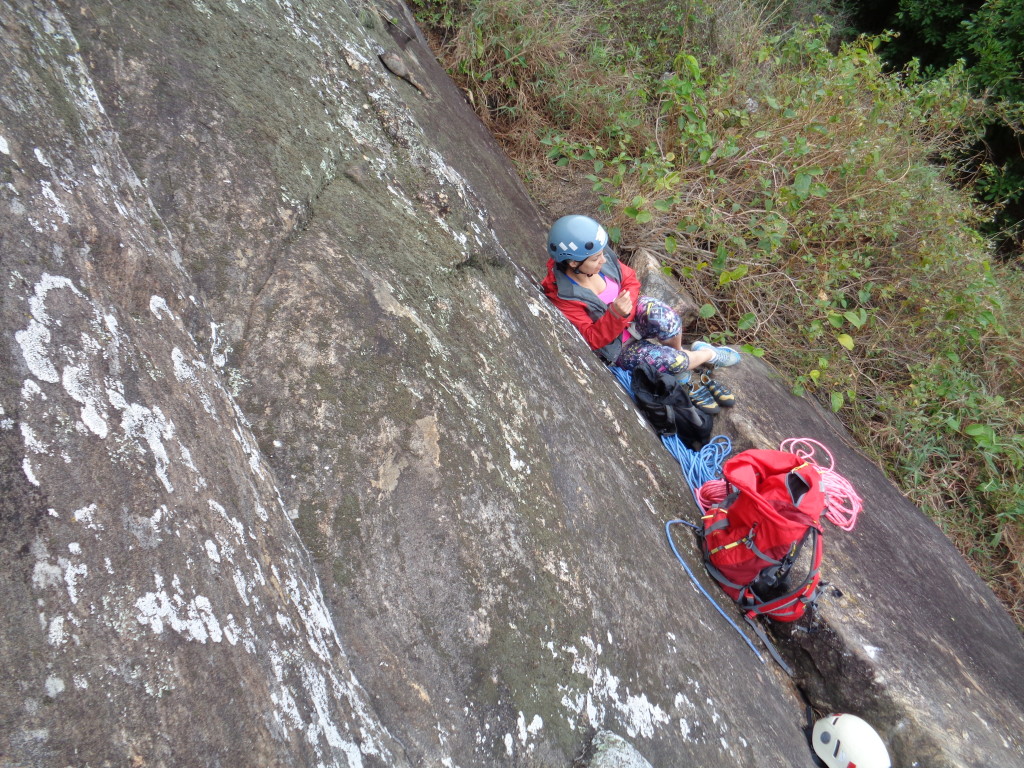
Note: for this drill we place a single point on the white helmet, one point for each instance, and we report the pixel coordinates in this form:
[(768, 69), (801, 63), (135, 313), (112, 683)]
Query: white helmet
[(846, 741)]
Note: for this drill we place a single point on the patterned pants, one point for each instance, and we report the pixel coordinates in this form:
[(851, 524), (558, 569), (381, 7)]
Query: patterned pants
[(655, 320)]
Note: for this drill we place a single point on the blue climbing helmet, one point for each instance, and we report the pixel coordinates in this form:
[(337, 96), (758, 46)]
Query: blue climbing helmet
[(575, 238)]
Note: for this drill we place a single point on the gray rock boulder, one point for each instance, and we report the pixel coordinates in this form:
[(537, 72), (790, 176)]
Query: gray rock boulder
[(301, 469)]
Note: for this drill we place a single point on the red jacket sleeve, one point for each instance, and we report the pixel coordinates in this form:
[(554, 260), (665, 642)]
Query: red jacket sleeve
[(608, 327)]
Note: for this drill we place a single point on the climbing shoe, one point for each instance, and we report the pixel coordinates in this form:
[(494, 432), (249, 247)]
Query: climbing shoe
[(721, 393), (702, 398), (723, 356)]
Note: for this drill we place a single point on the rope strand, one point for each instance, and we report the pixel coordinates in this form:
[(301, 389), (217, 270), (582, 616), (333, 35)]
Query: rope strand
[(842, 504)]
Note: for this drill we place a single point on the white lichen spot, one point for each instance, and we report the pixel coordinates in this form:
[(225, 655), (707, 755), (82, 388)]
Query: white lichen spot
[(872, 651), (35, 339), (85, 516), (55, 633), (44, 573), (77, 384), (515, 463), (75, 548), (26, 467), (194, 619), (185, 371), (31, 391), (158, 305), (241, 586), (49, 194), (285, 623), (54, 687), (219, 357), (4, 146), (34, 342), (41, 157), (535, 725), (80, 682), (509, 745), (150, 425), (231, 630), (31, 439), (72, 575), (211, 551)]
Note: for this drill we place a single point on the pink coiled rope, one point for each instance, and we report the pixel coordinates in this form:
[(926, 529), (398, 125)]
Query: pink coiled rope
[(842, 504)]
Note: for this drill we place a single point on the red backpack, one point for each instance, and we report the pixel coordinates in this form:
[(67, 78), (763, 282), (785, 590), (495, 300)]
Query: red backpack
[(753, 538)]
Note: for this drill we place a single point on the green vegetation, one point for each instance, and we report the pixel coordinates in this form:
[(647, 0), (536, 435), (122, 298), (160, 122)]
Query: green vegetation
[(803, 195), (987, 39)]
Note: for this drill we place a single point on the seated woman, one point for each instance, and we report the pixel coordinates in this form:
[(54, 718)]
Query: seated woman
[(601, 297)]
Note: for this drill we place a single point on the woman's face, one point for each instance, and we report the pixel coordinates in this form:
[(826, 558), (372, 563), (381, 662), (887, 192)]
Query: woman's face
[(592, 265)]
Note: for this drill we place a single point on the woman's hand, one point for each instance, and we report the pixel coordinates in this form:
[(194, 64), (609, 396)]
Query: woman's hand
[(622, 305)]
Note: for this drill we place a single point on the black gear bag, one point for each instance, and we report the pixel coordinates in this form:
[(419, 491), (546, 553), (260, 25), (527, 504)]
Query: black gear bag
[(665, 401)]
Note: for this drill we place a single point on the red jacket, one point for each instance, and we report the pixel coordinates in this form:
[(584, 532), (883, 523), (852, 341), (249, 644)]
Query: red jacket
[(599, 327)]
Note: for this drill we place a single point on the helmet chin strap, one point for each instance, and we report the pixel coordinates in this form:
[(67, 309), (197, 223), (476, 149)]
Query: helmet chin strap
[(578, 271)]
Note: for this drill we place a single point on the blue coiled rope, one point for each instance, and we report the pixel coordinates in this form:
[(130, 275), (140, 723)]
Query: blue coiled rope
[(701, 466), (698, 468)]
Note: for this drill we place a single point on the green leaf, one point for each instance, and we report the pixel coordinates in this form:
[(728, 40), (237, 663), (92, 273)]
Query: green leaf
[(733, 274), (747, 322), (856, 319), (750, 349), (691, 64), (670, 244), (706, 311), (802, 185), (846, 340), (837, 400)]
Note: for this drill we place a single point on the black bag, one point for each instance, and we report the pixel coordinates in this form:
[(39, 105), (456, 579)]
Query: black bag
[(666, 404)]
